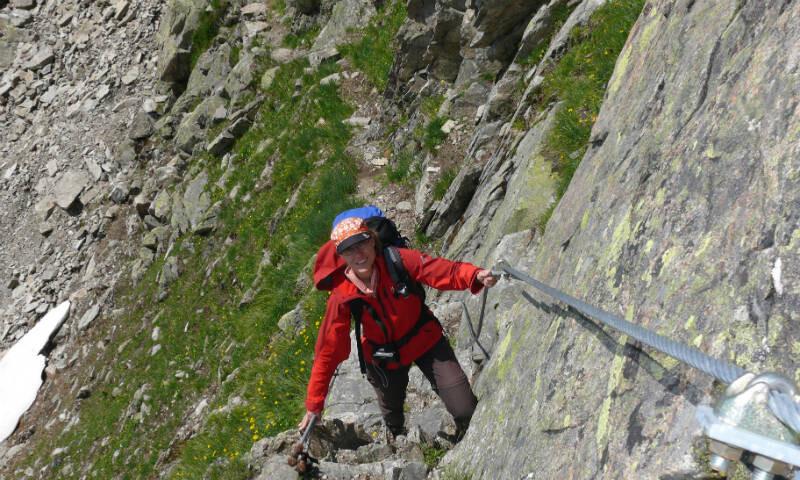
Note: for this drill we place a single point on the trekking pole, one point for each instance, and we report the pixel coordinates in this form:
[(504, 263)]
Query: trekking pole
[(300, 459)]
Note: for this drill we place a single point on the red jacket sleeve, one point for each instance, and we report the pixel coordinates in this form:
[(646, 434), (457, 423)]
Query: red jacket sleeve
[(332, 348), (440, 273)]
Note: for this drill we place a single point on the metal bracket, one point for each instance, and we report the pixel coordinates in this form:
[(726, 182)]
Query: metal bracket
[(743, 422)]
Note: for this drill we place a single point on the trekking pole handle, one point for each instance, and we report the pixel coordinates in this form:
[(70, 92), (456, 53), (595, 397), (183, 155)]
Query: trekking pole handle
[(307, 433)]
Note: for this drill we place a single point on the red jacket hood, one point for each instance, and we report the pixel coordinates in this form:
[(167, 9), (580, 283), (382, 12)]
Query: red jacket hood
[(328, 266)]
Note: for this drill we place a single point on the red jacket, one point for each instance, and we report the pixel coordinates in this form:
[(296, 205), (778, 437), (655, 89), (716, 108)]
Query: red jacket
[(399, 314)]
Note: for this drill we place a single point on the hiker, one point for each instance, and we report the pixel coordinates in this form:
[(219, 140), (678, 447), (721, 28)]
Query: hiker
[(397, 330)]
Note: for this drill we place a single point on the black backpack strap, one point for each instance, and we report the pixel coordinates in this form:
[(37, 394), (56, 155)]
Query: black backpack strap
[(398, 272), (404, 284), (357, 309)]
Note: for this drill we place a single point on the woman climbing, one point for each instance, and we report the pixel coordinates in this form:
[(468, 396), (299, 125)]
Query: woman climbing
[(398, 329)]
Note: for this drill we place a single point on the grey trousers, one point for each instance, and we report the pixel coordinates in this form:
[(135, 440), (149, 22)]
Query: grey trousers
[(440, 367)]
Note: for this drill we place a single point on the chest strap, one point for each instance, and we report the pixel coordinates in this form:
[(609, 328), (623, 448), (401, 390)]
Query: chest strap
[(357, 307)]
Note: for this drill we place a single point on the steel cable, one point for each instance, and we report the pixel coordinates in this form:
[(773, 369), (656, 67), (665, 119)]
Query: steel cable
[(782, 405), (480, 323), (722, 371), (785, 409)]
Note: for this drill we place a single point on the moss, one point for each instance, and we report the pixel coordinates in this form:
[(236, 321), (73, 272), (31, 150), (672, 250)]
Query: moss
[(503, 360), (668, 256)]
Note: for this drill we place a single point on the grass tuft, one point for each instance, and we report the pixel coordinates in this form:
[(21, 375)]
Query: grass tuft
[(433, 455), (579, 80), (374, 53), (433, 135), (443, 183), (403, 170)]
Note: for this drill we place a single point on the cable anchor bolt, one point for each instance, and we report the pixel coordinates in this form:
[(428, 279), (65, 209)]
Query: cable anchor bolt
[(742, 423)]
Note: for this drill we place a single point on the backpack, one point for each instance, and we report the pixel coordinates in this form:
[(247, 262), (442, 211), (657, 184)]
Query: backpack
[(391, 240)]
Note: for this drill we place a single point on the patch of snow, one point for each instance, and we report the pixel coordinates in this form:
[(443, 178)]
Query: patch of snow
[(21, 369)]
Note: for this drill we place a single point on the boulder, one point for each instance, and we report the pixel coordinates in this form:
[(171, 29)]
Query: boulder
[(291, 322), (282, 55), (68, 187), (317, 57), (306, 7), (120, 190), (332, 79), (193, 211), (23, 4), (211, 71), (141, 127), (192, 128), (221, 144), (161, 206), (241, 77), (44, 56), (142, 203), (88, 317), (181, 19), (268, 77), (254, 9), (169, 272), (179, 221)]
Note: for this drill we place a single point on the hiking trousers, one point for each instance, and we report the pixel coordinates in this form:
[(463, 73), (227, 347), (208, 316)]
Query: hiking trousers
[(441, 368)]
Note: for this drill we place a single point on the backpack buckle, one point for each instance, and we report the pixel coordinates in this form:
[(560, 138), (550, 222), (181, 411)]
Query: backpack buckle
[(385, 353)]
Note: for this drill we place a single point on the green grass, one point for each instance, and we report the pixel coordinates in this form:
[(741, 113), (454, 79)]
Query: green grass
[(578, 79), (404, 170), (303, 39), (443, 183), (430, 105), (207, 29), (236, 53), (452, 473), (433, 455), (374, 53), (433, 136)]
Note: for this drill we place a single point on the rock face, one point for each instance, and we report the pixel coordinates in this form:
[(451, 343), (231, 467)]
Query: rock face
[(181, 20), (676, 219)]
